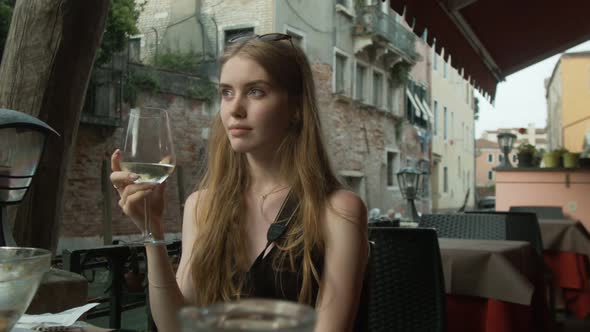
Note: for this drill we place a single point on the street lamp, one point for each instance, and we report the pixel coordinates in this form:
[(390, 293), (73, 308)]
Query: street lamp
[(409, 179), (22, 139), (505, 141)]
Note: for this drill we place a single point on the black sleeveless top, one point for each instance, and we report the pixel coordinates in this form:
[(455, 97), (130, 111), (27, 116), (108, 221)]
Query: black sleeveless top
[(264, 279)]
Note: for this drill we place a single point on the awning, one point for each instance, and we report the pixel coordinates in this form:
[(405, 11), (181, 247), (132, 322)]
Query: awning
[(421, 105), (427, 109), (417, 109), (491, 39)]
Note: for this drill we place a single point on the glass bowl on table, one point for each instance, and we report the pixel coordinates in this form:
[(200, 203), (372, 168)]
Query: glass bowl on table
[(249, 315), (21, 271)]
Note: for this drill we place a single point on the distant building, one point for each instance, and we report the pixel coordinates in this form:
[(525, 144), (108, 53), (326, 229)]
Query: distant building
[(453, 139), (487, 157), (535, 136), (568, 101)]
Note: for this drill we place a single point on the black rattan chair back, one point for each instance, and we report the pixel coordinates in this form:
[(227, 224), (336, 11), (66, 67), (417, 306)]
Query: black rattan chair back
[(406, 282), (521, 226), (467, 226), (543, 212)]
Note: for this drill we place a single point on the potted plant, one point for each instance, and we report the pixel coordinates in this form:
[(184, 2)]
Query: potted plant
[(552, 159), (525, 153), (570, 159)]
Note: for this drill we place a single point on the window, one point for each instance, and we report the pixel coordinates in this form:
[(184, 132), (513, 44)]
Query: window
[(514, 158), (444, 69), (390, 95), (134, 49), (297, 37), (340, 65), (490, 158), (500, 158), (392, 167), (445, 123), (435, 129), (377, 89), (361, 73), (231, 33), (452, 124), (490, 175), (463, 133), (445, 179)]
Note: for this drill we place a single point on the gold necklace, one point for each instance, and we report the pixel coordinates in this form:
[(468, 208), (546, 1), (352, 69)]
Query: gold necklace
[(263, 197)]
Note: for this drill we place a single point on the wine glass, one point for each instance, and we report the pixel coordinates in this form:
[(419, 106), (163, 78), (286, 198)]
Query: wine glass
[(148, 151)]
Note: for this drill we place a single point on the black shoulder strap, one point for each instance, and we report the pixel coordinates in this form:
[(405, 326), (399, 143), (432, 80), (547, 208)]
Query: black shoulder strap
[(286, 213)]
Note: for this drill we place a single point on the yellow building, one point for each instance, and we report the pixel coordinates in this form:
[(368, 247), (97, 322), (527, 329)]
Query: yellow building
[(568, 101)]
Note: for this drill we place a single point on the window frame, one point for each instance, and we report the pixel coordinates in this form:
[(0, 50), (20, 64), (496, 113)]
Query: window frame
[(395, 167), (294, 32), (366, 88), (346, 89), (380, 104)]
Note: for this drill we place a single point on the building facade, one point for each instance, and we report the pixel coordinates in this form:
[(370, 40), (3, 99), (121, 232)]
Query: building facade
[(357, 49), (487, 157), (361, 55), (453, 147), (568, 102), (530, 134)]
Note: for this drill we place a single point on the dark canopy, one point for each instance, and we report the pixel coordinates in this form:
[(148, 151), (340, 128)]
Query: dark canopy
[(491, 39)]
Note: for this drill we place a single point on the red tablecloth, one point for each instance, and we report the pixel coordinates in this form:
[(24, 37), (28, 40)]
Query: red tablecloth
[(476, 314), (571, 273)]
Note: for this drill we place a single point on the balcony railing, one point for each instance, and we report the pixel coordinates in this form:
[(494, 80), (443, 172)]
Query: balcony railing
[(373, 21)]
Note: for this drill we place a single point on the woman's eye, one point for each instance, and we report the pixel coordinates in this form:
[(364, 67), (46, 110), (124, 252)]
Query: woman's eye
[(225, 93), (256, 92)]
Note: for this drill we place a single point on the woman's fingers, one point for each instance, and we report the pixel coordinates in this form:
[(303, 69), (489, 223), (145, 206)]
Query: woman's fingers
[(116, 161), (122, 179)]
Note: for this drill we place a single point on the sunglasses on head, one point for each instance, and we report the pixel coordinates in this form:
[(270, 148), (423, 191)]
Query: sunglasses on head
[(265, 37)]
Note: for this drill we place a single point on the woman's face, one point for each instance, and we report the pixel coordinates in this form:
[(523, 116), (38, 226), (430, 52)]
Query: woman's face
[(254, 109)]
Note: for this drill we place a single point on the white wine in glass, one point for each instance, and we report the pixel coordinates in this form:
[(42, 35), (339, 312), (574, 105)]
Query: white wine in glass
[(148, 151)]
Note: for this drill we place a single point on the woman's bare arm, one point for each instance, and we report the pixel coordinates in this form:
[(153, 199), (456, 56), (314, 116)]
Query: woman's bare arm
[(344, 262), (168, 293)]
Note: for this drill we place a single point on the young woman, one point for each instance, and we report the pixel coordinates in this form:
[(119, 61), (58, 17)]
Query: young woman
[(265, 155)]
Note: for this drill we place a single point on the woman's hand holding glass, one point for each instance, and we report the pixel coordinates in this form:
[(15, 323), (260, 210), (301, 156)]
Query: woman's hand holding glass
[(145, 161), (132, 197)]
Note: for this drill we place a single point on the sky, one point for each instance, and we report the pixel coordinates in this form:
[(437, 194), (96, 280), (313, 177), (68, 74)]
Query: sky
[(520, 99)]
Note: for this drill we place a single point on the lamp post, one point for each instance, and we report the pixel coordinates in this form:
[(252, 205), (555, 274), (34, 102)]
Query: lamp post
[(409, 179), (505, 141), (22, 139)]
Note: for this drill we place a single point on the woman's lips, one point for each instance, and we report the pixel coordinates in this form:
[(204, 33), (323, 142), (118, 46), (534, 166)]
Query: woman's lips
[(239, 131)]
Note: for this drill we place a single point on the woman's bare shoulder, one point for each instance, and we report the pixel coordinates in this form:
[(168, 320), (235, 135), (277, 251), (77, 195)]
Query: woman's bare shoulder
[(346, 204)]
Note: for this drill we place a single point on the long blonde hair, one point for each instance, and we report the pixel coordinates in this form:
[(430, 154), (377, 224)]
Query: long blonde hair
[(219, 259)]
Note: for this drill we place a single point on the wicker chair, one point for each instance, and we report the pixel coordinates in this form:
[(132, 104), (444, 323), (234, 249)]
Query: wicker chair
[(543, 212), (406, 287), (520, 226), (467, 226)]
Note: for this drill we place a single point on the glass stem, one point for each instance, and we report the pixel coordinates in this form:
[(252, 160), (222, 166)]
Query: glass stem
[(148, 225)]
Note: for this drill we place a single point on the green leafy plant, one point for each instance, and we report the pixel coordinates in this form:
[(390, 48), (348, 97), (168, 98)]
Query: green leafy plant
[(140, 81), (560, 151), (177, 61), (121, 23), (204, 90), (526, 148), (6, 7)]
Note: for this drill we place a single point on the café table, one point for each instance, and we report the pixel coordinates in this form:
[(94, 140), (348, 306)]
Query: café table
[(492, 286), (566, 251)]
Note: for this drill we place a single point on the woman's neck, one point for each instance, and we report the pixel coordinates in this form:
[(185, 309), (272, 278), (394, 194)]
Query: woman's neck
[(264, 174)]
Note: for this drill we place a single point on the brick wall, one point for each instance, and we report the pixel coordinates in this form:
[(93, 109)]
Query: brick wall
[(82, 218)]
